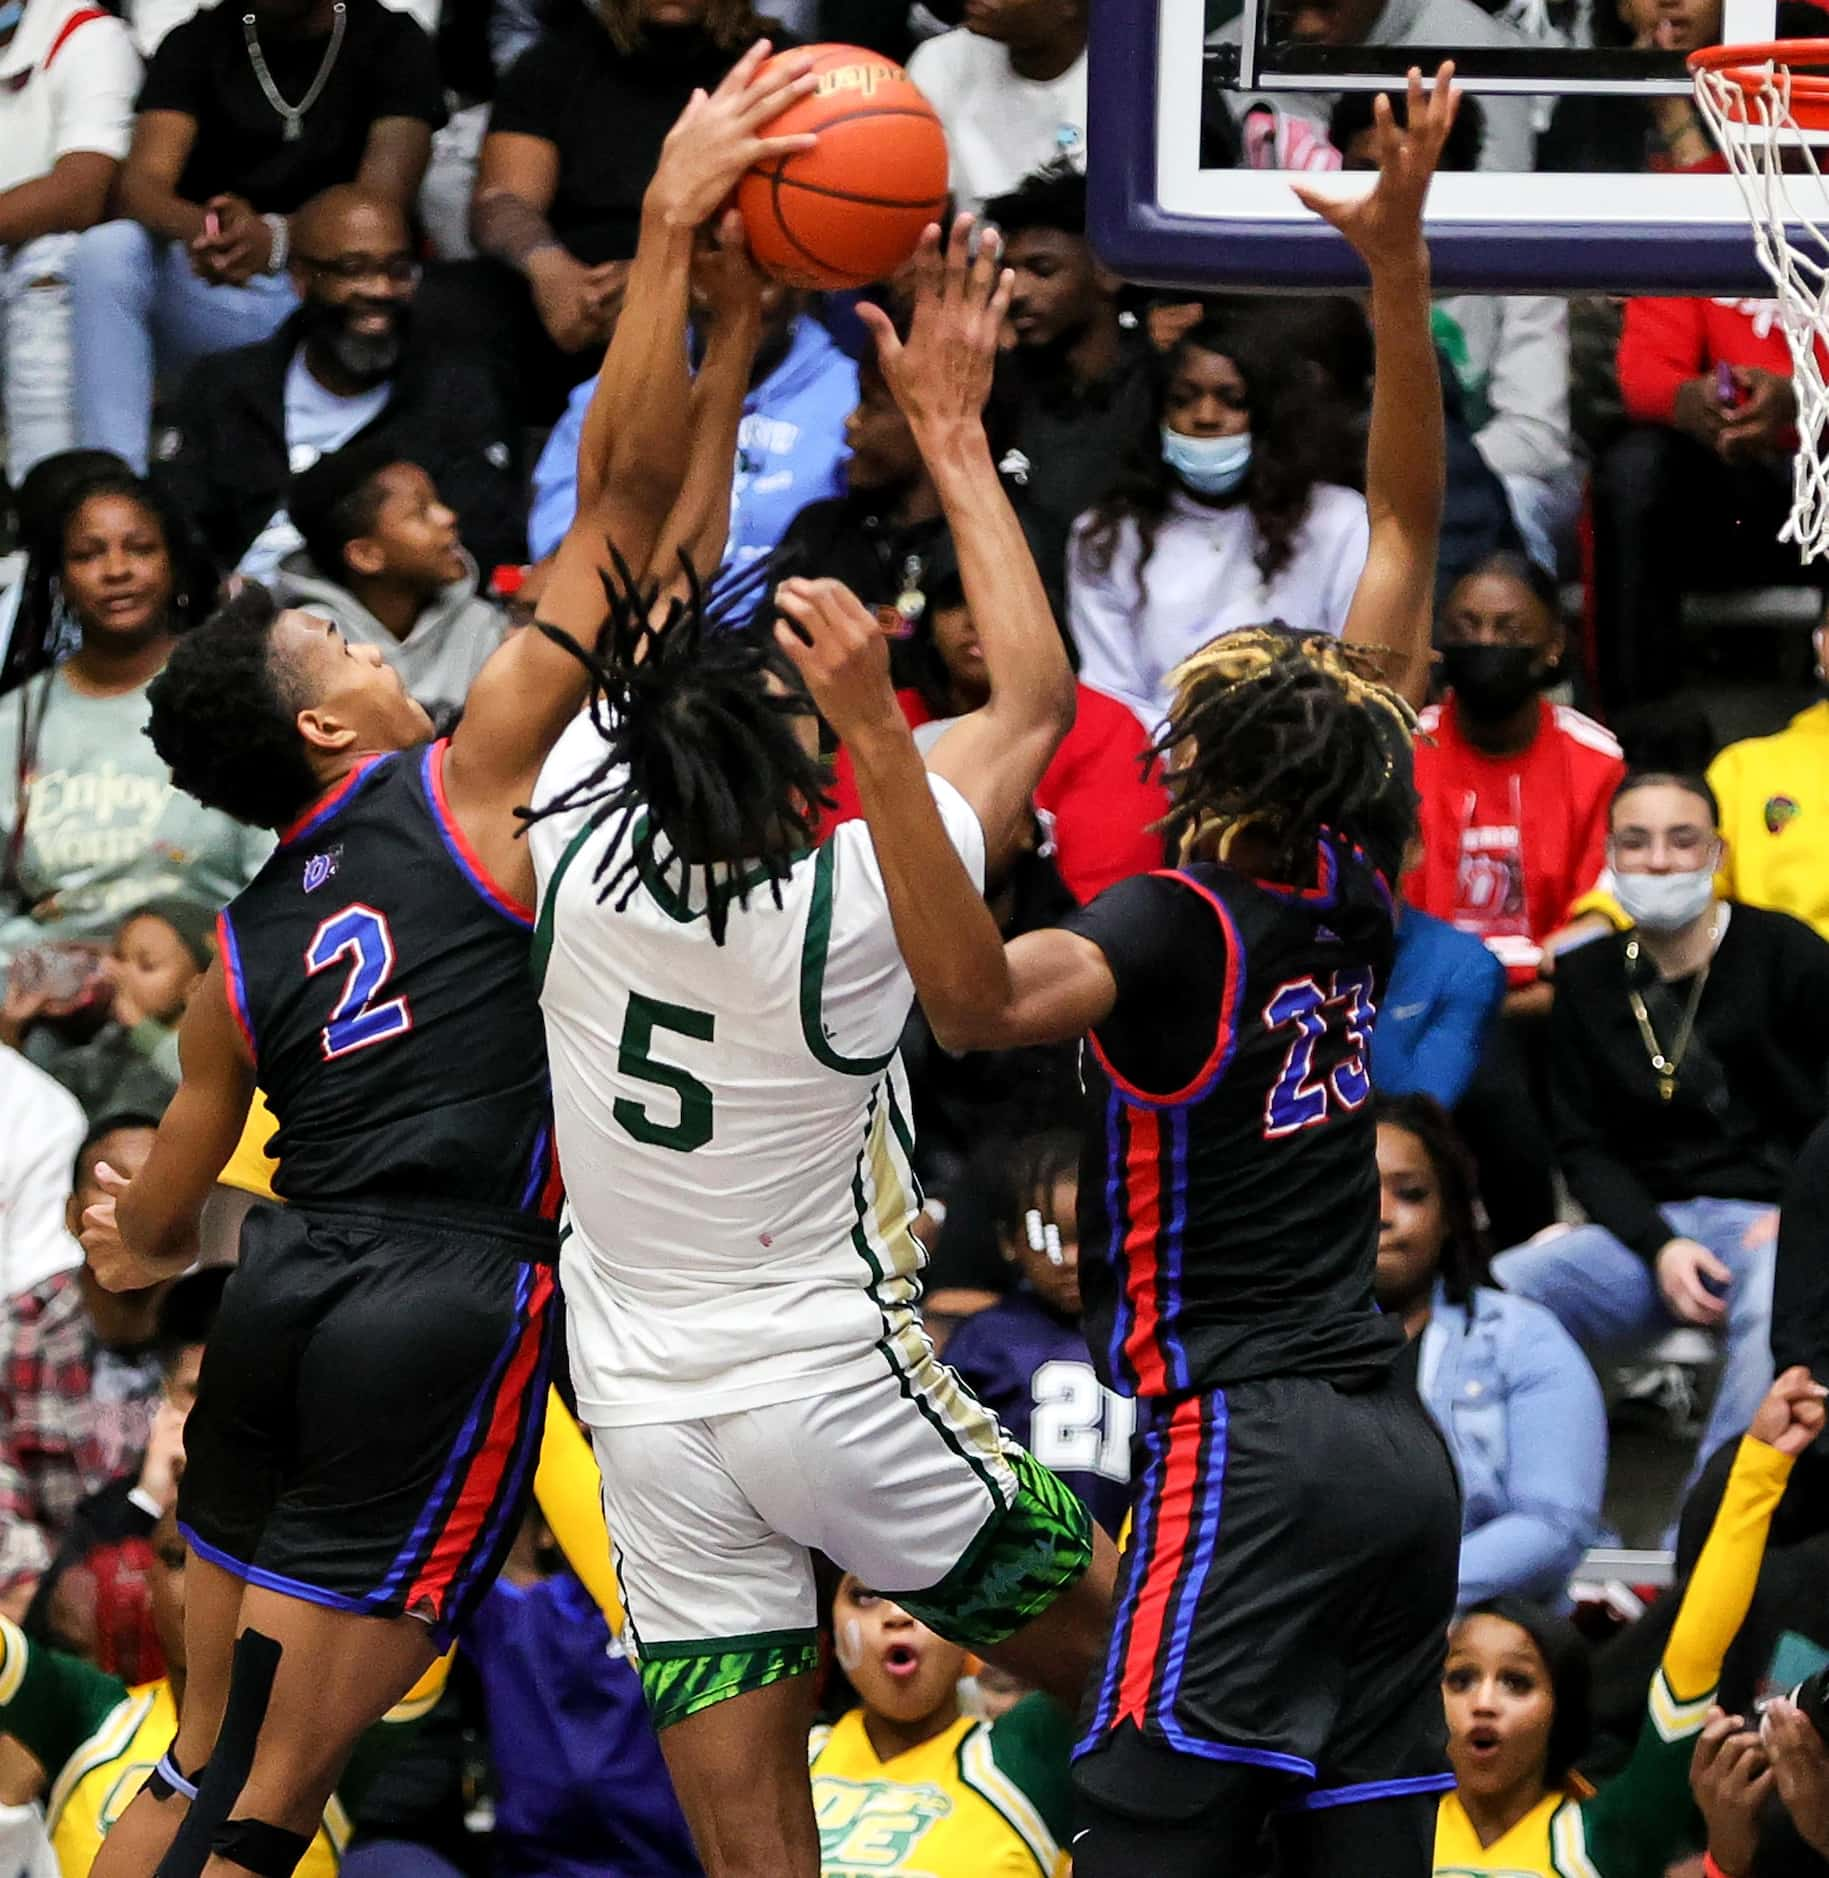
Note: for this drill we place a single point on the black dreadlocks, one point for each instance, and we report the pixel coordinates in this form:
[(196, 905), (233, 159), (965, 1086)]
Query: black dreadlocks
[(697, 743), (1292, 735)]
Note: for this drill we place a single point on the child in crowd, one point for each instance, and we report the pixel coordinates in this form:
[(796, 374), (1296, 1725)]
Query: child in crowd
[(383, 563), (907, 1782), (1516, 1688), (1026, 1357), (113, 1043)]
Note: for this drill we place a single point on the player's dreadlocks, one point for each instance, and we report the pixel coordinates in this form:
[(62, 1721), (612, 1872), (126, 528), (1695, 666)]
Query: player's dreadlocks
[(698, 742), (1289, 734)]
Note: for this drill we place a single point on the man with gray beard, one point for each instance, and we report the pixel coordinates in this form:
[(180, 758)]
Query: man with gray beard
[(345, 366)]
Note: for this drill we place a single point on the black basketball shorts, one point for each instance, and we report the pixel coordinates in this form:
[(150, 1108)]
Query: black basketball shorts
[(1283, 1603), (369, 1413)]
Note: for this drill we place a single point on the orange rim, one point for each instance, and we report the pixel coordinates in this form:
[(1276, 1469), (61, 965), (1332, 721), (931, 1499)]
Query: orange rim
[(1750, 69)]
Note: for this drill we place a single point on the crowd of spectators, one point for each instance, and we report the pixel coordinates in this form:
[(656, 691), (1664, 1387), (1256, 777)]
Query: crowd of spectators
[(312, 291)]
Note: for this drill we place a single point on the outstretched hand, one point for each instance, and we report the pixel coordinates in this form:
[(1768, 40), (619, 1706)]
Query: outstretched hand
[(1385, 224), (839, 649), (941, 373), (719, 135)]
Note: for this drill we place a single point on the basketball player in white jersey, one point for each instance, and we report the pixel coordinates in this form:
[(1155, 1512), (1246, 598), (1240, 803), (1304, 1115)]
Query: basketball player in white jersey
[(723, 999)]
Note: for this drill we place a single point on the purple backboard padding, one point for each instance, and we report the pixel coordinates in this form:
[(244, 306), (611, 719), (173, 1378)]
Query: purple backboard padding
[(1143, 242)]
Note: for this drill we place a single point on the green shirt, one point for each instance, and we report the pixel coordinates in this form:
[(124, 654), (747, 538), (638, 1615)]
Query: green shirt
[(106, 829)]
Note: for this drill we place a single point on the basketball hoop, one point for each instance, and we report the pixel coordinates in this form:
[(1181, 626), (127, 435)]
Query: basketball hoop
[(1768, 109)]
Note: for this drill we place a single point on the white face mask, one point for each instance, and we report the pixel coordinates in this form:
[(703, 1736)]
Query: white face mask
[(1210, 466), (1665, 902)]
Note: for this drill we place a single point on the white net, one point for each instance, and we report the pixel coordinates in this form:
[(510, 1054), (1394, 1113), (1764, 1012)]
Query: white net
[(1787, 196)]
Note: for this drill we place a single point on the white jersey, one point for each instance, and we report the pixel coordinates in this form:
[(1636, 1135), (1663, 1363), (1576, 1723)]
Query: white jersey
[(733, 1121)]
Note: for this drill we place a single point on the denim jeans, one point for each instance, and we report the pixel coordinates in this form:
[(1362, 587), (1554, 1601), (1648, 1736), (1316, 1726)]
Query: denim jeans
[(140, 311), (36, 351), (1607, 1298)]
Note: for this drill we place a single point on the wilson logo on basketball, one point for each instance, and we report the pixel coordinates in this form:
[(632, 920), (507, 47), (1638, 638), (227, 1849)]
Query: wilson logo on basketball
[(865, 80)]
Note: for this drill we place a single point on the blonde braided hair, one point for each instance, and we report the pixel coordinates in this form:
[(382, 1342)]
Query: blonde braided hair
[(1290, 734)]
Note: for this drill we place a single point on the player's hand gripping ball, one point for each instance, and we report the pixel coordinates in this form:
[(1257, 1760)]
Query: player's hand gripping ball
[(850, 210)]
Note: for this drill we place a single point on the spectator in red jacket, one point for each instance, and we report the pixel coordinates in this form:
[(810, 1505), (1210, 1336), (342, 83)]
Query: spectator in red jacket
[(1694, 494), (1514, 795), (1099, 800)]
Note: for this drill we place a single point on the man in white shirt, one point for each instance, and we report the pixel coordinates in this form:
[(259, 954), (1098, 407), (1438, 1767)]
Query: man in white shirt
[(68, 74), (1010, 88), (44, 1127)]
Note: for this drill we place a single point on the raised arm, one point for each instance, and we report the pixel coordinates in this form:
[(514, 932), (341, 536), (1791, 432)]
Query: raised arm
[(941, 377), (1405, 457), (632, 456)]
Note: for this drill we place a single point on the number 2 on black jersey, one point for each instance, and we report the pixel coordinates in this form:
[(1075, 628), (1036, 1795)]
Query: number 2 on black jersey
[(1299, 1098), (363, 937)]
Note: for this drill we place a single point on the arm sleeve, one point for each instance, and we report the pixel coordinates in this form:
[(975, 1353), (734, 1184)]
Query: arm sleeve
[(1528, 390), (1102, 623), (1447, 1053), (530, 91), (1661, 343), (1168, 1023), (570, 1495), (1349, 565), (93, 81), (406, 81), (1556, 1442), (1105, 806), (1629, 1820), (555, 478), (177, 78), (1610, 1193), (1800, 1286), (49, 1702)]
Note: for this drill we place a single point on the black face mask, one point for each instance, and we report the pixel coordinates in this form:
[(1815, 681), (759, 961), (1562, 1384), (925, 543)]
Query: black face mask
[(1492, 681)]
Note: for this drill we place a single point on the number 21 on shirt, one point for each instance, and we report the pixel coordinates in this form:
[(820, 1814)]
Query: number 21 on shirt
[(1300, 1097)]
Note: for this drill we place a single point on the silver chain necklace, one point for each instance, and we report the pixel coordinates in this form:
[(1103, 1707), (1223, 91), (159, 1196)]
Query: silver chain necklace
[(293, 115)]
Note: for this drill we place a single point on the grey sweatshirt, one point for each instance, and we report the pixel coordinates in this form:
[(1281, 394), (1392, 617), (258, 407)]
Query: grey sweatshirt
[(449, 643)]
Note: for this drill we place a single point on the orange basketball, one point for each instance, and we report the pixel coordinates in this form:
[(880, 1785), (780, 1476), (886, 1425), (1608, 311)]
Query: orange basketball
[(850, 210)]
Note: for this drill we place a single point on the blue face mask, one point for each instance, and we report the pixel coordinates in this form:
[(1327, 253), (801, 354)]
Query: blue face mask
[(1210, 466), (11, 13)]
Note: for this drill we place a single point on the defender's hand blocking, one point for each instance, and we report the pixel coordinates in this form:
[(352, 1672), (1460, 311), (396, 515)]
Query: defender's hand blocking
[(839, 649), (941, 374), (718, 136), (1385, 224)]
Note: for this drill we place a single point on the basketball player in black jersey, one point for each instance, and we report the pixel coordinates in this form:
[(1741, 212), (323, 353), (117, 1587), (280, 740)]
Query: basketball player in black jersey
[(368, 1415), (1271, 1696)]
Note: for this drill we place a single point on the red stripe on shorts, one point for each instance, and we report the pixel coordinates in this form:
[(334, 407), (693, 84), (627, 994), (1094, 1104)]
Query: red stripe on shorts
[(476, 1498), (1143, 1204), (1168, 1548)]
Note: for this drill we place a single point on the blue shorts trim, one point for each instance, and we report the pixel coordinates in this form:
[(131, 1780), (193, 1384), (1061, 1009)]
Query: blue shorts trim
[(1220, 1751), (1367, 1790), (269, 1581)]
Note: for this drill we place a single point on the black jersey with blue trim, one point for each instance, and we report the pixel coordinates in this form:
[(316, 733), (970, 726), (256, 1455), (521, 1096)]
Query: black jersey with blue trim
[(382, 982), (1229, 1184)]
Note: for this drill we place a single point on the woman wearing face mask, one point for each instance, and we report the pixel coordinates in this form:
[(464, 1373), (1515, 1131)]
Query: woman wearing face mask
[(1686, 1071), (1516, 1691), (908, 1782), (1221, 520), (1505, 1383)]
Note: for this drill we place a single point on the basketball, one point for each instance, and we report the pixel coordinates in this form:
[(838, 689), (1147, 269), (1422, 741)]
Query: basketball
[(850, 210)]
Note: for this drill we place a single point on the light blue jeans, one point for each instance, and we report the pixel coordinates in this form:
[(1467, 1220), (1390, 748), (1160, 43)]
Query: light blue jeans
[(140, 311), (35, 351), (1607, 1298)]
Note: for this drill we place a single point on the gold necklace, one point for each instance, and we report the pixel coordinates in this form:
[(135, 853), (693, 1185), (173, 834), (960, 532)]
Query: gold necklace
[(1665, 1067)]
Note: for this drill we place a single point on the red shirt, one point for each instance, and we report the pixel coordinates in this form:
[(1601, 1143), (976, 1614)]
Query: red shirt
[(1664, 342), (1094, 792), (1510, 842)]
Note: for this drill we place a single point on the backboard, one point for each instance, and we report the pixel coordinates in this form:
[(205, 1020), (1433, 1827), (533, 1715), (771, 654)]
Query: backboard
[(1160, 68)]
